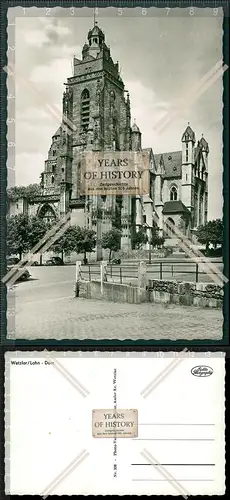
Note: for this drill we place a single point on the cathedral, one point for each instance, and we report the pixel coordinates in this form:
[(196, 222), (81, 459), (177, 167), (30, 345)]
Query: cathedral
[(97, 117)]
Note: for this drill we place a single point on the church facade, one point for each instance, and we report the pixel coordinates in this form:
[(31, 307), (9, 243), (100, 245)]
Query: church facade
[(97, 117)]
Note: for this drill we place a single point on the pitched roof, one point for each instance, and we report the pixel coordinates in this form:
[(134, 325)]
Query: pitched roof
[(174, 207), (149, 151), (188, 134), (96, 31), (135, 128), (172, 163), (204, 145)]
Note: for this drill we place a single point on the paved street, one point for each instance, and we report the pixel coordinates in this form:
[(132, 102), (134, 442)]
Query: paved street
[(46, 308)]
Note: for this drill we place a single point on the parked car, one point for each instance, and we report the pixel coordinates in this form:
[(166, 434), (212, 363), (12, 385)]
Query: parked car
[(13, 261), (24, 276), (115, 261), (35, 263), (54, 261)]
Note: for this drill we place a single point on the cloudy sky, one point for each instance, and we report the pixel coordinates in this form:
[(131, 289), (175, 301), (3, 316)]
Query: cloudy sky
[(167, 63)]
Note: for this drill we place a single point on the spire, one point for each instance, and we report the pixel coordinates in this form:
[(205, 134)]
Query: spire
[(188, 134), (96, 35), (135, 128), (203, 144)]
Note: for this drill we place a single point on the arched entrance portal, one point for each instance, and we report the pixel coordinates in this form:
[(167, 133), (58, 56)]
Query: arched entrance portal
[(169, 229), (47, 213)]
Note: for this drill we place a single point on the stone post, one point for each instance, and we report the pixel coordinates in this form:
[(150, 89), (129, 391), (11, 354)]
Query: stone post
[(103, 274), (142, 275), (142, 282), (77, 278)]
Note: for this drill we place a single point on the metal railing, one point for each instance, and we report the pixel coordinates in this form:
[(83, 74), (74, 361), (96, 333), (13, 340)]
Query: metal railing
[(181, 271)]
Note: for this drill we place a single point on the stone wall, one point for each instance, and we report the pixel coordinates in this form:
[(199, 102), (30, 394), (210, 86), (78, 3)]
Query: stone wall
[(113, 292), (141, 254), (188, 294), (158, 291)]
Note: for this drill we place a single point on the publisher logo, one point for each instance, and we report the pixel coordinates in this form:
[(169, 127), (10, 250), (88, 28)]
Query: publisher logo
[(202, 371)]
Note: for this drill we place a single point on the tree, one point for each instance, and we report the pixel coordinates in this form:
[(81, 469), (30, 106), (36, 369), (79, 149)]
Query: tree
[(76, 239), (160, 242), (17, 240), (86, 241), (140, 238), (211, 233), (29, 192), (23, 233), (67, 242), (111, 240), (156, 240)]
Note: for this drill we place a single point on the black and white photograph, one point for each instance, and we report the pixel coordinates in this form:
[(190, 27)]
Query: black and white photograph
[(103, 99)]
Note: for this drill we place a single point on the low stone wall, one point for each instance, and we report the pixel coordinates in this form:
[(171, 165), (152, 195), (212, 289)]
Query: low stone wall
[(142, 254), (158, 291), (187, 294), (113, 292)]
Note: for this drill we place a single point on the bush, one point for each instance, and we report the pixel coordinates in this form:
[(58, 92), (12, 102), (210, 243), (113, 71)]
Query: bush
[(168, 251), (215, 252), (212, 252)]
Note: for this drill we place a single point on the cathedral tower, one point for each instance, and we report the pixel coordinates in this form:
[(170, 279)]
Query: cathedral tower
[(187, 181), (101, 119)]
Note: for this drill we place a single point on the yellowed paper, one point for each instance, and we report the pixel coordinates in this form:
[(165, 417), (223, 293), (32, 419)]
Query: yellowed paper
[(115, 423), (115, 173)]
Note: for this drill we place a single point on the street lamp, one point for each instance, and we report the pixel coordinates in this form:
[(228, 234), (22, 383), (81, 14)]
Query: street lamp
[(149, 227)]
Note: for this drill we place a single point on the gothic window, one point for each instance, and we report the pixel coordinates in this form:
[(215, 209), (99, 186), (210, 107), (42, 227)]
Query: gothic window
[(186, 159), (144, 219), (54, 152), (195, 210), (173, 193), (85, 108), (52, 179), (53, 168)]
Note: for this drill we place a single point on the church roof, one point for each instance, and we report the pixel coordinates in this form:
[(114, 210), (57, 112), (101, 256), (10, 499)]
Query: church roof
[(96, 31), (188, 134), (174, 207), (204, 145), (172, 163), (135, 128)]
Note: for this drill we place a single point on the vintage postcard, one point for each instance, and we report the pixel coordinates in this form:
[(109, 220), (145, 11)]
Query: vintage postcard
[(115, 164), (102, 423)]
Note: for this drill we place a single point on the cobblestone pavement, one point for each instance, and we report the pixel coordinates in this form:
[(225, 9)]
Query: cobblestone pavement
[(49, 310)]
